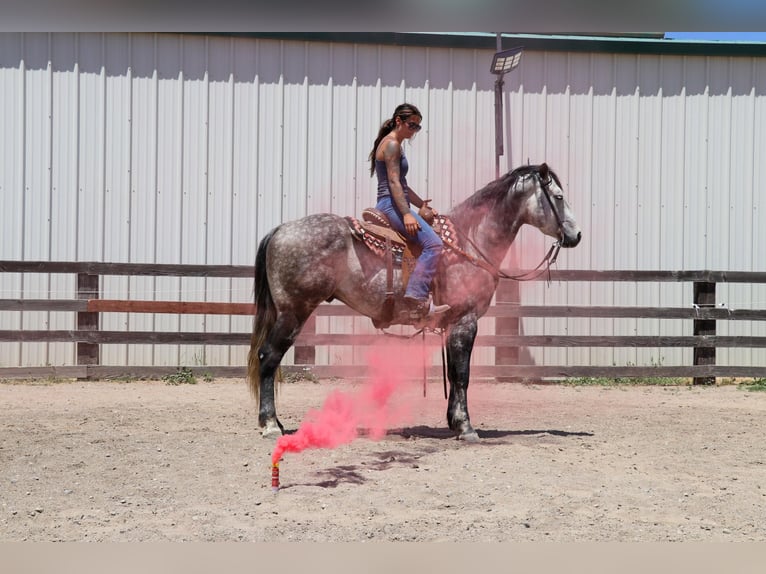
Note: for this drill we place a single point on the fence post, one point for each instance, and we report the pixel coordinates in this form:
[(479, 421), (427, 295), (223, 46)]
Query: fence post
[(87, 288), (507, 292), (306, 355), (704, 296)]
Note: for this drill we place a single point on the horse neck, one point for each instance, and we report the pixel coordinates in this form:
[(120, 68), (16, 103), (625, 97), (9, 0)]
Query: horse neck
[(491, 230)]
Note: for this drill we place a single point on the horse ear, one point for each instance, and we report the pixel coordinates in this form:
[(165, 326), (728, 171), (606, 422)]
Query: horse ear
[(543, 170)]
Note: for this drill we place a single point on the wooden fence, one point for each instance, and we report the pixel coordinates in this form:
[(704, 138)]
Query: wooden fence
[(88, 305)]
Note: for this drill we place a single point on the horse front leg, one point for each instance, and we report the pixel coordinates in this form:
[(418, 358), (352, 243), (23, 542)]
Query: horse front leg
[(459, 348), (280, 339)]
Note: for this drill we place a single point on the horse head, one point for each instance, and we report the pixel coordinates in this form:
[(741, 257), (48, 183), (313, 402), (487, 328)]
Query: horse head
[(545, 205)]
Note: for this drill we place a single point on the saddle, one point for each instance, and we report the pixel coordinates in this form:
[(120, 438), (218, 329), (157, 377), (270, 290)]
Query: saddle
[(378, 236)]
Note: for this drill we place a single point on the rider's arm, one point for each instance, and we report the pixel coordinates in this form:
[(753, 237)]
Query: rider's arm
[(414, 197), (429, 212)]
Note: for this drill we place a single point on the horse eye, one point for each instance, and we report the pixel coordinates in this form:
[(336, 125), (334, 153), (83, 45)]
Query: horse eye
[(559, 196)]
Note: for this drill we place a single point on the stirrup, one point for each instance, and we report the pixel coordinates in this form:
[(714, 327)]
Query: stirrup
[(437, 309), (424, 309)]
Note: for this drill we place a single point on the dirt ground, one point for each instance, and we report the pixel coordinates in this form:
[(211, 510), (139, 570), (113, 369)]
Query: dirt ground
[(148, 461)]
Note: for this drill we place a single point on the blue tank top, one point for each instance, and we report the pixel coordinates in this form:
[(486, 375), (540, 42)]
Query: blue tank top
[(382, 173)]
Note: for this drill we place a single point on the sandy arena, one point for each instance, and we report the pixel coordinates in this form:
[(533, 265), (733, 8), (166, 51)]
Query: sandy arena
[(147, 461)]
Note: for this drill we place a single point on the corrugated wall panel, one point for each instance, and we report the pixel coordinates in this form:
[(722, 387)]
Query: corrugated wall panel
[(12, 66), (91, 166), (169, 182), (416, 91), (740, 244), (64, 140), (542, 144), (720, 171), (188, 149), (672, 173), (646, 203), (246, 139), (591, 192), (625, 196), (195, 228), (270, 102), (220, 151), (758, 215), (143, 183), (117, 142), (584, 180), (438, 130), (320, 141), (36, 237), (296, 132)]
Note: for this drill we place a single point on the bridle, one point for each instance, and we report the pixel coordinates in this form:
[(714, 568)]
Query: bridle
[(548, 260)]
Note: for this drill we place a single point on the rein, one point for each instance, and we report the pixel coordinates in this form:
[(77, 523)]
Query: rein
[(484, 263)]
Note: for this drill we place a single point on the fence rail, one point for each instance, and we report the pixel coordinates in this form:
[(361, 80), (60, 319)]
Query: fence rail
[(88, 305)]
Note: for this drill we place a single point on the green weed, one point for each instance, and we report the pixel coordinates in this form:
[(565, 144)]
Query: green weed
[(622, 381), (183, 376), (302, 375), (754, 385)]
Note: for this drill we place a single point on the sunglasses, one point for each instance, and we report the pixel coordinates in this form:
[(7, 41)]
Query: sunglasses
[(414, 126)]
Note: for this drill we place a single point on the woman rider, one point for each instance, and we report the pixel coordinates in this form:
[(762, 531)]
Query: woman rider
[(394, 198)]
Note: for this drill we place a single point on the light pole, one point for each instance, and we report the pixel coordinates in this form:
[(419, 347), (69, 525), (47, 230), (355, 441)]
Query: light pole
[(507, 291), (502, 62)]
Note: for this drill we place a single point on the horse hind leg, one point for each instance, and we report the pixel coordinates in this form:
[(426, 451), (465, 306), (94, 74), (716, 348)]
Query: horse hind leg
[(280, 338)]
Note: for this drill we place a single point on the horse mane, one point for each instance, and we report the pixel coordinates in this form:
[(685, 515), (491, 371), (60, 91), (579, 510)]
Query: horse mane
[(469, 214)]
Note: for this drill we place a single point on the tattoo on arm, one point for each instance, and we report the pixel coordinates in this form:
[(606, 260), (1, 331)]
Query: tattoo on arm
[(392, 155), (415, 199)]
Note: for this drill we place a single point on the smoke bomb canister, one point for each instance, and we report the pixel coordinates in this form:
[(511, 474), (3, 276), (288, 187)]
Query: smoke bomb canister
[(275, 477)]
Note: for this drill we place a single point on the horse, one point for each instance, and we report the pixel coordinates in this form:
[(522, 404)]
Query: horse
[(302, 263)]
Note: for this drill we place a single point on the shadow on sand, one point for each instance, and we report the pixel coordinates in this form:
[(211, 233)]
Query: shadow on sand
[(355, 473), (445, 433), (352, 473)]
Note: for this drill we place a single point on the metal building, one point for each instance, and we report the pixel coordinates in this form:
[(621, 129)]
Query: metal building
[(186, 148)]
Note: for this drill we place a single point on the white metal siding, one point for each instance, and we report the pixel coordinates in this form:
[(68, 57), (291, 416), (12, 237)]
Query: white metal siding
[(170, 148)]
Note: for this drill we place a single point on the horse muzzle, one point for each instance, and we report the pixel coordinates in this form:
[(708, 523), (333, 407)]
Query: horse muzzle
[(570, 239)]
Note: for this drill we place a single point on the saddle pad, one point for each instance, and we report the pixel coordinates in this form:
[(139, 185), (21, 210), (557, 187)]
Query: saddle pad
[(374, 237), (445, 229)]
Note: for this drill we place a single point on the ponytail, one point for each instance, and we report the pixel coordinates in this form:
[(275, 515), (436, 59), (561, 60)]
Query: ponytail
[(384, 130)]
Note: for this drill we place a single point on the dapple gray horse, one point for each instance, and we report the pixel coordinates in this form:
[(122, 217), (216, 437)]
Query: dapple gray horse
[(302, 263)]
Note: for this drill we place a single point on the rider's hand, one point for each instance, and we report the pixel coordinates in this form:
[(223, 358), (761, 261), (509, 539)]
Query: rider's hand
[(425, 205), (427, 212), (411, 224)]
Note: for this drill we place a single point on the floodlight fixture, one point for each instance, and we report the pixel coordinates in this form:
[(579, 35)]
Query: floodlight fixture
[(506, 60), (502, 62)]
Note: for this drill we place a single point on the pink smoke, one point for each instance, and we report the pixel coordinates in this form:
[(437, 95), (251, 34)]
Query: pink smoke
[(371, 407)]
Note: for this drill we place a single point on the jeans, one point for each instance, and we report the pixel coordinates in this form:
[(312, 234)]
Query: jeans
[(425, 267)]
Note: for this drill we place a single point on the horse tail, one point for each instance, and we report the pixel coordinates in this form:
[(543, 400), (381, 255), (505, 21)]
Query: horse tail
[(264, 319)]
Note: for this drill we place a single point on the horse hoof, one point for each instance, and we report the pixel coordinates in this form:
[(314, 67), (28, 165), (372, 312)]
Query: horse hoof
[(470, 436), (271, 430)]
